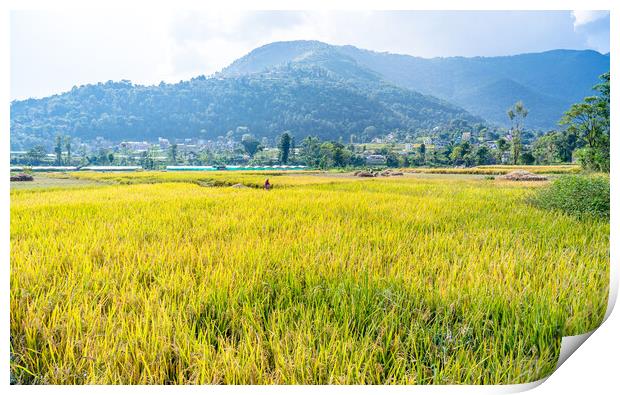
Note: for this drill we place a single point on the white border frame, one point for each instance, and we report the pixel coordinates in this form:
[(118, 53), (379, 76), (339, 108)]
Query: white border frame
[(593, 366)]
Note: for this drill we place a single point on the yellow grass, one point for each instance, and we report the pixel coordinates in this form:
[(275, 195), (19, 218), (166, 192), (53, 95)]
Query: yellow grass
[(498, 169), (204, 178), (329, 280)]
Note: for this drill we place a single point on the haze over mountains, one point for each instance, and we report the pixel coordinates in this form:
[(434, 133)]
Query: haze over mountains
[(312, 88), (547, 82)]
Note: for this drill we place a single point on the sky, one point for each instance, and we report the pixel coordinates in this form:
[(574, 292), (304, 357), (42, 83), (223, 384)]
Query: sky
[(54, 50)]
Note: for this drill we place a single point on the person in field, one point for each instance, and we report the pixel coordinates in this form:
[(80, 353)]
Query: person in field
[(267, 185)]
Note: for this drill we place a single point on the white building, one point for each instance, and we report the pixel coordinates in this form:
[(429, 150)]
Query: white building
[(376, 160), (135, 145), (164, 143)]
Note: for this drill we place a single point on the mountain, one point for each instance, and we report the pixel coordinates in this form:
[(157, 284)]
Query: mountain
[(328, 95), (313, 88), (486, 100), (547, 82)]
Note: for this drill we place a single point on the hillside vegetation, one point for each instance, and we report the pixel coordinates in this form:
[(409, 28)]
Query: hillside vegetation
[(548, 82), (315, 89), (305, 100)]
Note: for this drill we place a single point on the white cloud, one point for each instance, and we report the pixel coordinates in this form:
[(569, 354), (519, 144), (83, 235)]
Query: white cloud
[(583, 17), (53, 50)]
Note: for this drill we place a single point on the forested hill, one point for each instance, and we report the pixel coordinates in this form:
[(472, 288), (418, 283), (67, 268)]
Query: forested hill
[(547, 82), (330, 97), (312, 88)]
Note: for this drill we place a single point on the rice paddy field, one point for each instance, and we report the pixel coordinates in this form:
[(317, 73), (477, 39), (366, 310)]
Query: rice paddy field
[(178, 278), (498, 169)]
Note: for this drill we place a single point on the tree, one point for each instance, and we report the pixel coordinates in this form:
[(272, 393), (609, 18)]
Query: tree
[(422, 152), (527, 158), (311, 151), (391, 160), (292, 149), (284, 146), (35, 155), (517, 115), (483, 156), (554, 147), (339, 155), (460, 155), (456, 155), (172, 153), (502, 147), (102, 158), (604, 88), (589, 121), (206, 157), (146, 160), (68, 148), (250, 144), (58, 150), (326, 155)]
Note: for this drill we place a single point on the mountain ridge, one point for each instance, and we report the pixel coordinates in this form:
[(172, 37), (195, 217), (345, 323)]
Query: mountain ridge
[(331, 98), (267, 91), (565, 74)]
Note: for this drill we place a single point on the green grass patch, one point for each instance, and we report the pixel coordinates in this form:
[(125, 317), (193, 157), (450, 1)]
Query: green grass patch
[(580, 196)]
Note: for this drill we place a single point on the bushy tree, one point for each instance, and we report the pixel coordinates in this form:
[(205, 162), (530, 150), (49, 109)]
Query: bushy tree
[(502, 147), (250, 144), (35, 155), (461, 154), (311, 151), (589, 120), (554, 147), (483, 156), (527, 158)]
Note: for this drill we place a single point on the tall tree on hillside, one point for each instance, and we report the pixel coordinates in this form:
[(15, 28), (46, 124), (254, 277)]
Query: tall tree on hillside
[(422, 152), (68, 148), (589, 120), (517, 115), (284, 145), (58, 150)]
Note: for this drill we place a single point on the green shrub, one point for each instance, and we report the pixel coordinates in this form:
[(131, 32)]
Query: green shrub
[(582, 196)]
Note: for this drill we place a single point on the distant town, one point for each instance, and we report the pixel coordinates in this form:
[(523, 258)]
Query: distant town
[(241, 148)]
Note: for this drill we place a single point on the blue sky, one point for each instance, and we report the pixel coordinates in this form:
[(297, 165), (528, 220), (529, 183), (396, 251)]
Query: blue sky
[(51, 51)]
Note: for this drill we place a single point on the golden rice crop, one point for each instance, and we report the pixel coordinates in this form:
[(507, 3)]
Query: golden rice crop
[(204, 178), (498, 169), (329, 280)]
